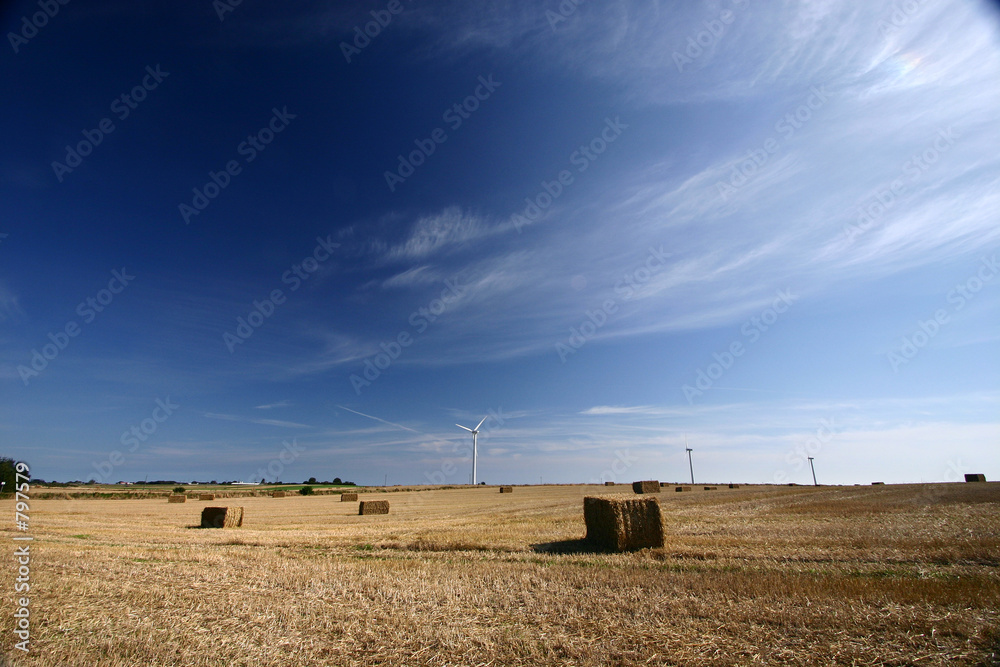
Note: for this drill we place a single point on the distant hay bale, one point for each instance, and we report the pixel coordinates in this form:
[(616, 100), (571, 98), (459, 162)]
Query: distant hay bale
[(506, 489), (373, 507), (278, 494), (711, 488), (734, 486), (222, 517), (623, 524), (348, 497), (648, 486), (878, 483), (609, 484), (206, 496), (682, 488), (975, 477), (177, 498)]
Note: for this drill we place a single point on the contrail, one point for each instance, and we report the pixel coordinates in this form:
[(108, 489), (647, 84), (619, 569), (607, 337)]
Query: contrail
[(406, 428)]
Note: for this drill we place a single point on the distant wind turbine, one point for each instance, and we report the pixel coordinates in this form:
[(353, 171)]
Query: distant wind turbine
[(475, 450), (690, 465)]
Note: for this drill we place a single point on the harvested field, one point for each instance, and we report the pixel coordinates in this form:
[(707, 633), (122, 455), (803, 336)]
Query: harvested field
[(902, 575)]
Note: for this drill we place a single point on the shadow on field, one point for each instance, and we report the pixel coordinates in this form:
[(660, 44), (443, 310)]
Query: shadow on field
[(566, 547)]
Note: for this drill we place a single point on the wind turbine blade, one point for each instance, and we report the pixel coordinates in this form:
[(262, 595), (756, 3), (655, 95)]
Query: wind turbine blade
[(481, 423), (465, 427)]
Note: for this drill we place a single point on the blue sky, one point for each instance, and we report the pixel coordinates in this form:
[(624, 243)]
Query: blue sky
[(262, 242)]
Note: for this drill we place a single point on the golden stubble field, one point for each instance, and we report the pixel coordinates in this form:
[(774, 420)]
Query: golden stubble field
[(893, 575)]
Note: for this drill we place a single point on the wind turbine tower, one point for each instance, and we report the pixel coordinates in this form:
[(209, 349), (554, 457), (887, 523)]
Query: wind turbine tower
[(475, 448), (690, 465), (813, 468)]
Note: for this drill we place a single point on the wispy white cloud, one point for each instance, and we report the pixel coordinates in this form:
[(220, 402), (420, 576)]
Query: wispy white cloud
[(270, 406), (253, 420), (10, 305), (439, 232)]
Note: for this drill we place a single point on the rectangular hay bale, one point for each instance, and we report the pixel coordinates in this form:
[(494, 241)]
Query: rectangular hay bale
[(711, 488), (177, 498), (648, 486), (206, 496), (623, 524), (734, 486), (506, 489), (682, 488), (222, 517), (278, 494), (609, 484), (348, 497), (975, 477), (373, 507)]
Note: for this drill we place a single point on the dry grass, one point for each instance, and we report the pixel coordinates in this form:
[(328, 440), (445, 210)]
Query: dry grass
[(898, 575)]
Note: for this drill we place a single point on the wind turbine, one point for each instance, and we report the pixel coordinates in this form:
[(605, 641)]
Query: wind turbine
[(690, 465), (475, 450)]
